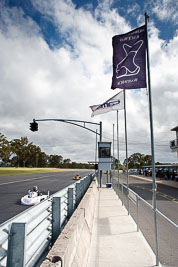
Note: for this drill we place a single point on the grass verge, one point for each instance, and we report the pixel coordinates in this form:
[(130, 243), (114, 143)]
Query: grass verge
[(8, 171)]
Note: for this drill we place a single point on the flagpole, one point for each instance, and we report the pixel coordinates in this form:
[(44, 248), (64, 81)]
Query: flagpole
[(152, 145), (101, 136), (113, 167), (96, 148), (126, 150), (113, 146), (118, 144)]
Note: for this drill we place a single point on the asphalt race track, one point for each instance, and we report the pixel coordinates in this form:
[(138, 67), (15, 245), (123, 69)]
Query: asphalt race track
[(12, 188)]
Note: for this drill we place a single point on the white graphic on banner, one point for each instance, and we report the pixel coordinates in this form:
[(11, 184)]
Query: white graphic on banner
[(127, 67)]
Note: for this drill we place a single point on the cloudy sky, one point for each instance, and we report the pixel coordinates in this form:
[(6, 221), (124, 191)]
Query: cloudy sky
[(56, 61)]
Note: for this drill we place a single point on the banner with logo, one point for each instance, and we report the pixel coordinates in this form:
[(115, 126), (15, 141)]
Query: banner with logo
[(129, 59), (114, 103)]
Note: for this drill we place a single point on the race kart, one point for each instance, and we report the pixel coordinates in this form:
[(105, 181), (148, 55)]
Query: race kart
[(32, 198), (77, 177)]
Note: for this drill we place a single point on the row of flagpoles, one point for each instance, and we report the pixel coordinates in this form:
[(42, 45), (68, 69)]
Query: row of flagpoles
[(130, 57)]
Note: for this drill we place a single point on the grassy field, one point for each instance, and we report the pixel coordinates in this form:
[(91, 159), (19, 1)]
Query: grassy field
[(5, 171)]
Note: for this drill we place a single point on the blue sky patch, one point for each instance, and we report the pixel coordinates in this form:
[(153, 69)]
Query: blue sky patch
[(130, 10)]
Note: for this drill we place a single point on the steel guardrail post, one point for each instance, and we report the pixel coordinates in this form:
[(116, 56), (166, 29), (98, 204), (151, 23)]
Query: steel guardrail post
[(56, 217), (122, 195), (128, 201), (16, 245), (77, 193), (70, 202), (137, 213), (118, 189), (82, 189), (85, 184), (90, 179)]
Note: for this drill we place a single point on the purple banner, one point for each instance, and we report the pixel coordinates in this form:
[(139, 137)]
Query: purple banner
[(129, 60)]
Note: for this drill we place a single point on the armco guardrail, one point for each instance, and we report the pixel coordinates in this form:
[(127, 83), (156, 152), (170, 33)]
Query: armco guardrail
[(72, 246), (25, 237)]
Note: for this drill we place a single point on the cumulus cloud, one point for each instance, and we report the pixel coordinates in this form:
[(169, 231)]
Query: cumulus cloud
[(40, 82), (166, 10)]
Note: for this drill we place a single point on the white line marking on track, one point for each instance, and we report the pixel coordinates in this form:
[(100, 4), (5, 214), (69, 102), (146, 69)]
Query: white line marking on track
[(26, 180)]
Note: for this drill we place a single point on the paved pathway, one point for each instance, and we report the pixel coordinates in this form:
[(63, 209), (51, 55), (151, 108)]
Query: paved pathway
[(115, 240)]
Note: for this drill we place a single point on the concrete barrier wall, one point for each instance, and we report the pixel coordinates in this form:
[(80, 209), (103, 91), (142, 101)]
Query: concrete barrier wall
[(72, 246)]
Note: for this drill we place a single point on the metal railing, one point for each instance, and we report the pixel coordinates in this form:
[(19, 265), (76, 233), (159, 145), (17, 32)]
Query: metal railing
[(127, 195), (134, 197), (25, 237)]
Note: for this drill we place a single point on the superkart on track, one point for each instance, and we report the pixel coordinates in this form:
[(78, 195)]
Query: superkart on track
[(77, 177), (32, 198)]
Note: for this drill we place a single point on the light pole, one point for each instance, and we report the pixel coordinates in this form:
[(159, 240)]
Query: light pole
[(73, 122), (79, 123)]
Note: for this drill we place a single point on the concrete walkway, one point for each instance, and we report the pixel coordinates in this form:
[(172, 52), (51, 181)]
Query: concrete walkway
[(115, 241)]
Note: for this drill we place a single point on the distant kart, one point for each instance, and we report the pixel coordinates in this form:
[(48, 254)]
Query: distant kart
[(77, 177), (32, 198)]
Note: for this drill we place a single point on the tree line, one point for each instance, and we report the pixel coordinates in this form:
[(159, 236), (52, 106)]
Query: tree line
[(138, 160), (135, 161), (22, 153)]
